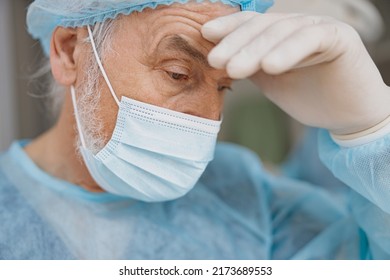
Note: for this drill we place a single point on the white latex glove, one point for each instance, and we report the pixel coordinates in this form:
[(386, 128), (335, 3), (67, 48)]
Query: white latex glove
[(360, 14), (314, 68)]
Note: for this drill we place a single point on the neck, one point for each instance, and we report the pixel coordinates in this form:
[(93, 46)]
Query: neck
[(56, 153)]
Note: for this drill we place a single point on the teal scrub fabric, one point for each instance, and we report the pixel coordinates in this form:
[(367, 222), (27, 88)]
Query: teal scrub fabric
[(237, 210)]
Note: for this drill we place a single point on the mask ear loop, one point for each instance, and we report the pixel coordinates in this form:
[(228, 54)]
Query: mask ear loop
[(101, 65), (77, 117)]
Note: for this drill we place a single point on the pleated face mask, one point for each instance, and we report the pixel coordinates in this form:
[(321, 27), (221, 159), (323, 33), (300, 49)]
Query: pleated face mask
[(155, 154)]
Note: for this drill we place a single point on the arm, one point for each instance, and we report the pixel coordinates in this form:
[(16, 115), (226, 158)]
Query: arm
[(365, 168), (318, 70)]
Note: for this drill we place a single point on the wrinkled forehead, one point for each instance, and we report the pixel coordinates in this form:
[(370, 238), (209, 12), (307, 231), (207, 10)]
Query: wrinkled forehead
[(173, 29), (201, 12), (43, 16)]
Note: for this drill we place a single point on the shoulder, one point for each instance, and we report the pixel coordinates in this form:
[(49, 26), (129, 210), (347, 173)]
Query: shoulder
[(233, 162), (23, 233), (236, 176), (232, 155)]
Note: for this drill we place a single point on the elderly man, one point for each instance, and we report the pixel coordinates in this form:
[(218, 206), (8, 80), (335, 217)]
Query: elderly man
[(122, 174)]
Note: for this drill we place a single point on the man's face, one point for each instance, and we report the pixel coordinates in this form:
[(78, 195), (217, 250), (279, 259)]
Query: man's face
[(159, 57)]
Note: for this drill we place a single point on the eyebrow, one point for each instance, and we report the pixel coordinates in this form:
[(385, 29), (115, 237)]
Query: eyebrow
[(178, 43)]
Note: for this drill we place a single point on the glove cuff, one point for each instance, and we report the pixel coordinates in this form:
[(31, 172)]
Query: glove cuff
[(363, 137)]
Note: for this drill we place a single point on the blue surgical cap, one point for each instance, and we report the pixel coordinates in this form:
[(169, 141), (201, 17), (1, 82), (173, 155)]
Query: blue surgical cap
[(44, 16)]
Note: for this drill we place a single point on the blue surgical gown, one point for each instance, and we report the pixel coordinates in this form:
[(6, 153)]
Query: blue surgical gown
[(237, 210)]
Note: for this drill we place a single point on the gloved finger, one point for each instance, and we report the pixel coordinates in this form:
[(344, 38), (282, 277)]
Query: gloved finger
[(310, 42), (216, 29), (247, 61), (241, 36)]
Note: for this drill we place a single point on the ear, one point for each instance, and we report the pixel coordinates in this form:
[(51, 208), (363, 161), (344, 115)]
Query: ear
[(62, 55)]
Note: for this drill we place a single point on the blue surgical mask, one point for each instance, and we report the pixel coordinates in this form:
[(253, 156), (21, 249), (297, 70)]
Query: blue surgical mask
[(155, 154)]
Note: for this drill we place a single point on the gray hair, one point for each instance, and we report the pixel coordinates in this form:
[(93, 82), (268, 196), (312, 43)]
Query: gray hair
[(54, 93), (88, 93)]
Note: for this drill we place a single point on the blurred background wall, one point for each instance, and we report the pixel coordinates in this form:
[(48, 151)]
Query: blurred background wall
[(8, 120), (21, 115), (249, 118)]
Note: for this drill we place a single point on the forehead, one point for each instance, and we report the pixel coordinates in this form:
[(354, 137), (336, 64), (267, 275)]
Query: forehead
[(203, 9), (191, 13), (151, 26)]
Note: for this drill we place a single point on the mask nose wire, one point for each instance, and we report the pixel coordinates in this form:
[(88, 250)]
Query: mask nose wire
[(101, 66)]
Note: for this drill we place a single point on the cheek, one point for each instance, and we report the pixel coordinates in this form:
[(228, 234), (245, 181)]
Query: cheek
[(153, 87), (131, 78), (107, 112), (149, 87)]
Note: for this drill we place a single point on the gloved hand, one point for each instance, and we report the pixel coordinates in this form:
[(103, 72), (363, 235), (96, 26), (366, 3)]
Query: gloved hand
[(360, 14), (315, 68)]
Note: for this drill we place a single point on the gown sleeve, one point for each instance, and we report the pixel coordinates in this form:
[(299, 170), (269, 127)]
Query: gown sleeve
[(366, 170)]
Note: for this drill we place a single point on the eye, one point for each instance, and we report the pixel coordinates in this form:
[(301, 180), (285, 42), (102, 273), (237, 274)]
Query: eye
[(178, 76), (224, 88)]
